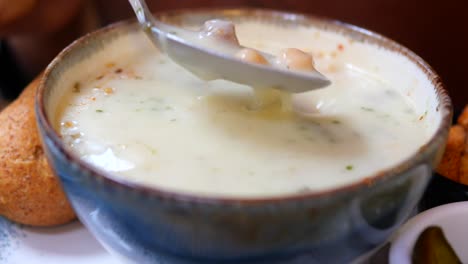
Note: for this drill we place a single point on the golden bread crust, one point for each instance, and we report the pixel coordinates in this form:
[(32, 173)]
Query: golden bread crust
[(29, 191), (451, 160)]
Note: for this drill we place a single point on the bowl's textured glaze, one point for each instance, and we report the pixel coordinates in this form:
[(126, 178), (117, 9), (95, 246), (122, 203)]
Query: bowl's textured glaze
[(147, 225)]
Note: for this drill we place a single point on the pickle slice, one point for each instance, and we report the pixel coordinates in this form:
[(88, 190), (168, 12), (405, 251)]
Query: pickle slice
[(432, 247)]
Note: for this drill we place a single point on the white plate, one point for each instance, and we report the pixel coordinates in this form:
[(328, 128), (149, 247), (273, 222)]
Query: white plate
[(452, 218), (70, 244)]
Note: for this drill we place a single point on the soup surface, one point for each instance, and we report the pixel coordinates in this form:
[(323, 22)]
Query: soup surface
[(147, 120)]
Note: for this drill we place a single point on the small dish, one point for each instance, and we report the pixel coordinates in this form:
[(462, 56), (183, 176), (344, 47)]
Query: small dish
[(452, 218)]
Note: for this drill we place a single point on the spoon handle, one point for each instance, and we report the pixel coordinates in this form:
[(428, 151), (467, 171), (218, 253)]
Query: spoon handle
[(142, 12), (155, 29)]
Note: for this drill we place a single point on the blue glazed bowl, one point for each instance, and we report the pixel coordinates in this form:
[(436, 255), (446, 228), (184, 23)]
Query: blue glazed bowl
[(150, 225)]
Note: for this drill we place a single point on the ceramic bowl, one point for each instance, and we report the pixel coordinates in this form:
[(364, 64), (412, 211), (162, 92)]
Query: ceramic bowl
[(150, 225)]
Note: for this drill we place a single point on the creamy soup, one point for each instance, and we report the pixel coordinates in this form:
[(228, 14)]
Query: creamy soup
[(149, 121)]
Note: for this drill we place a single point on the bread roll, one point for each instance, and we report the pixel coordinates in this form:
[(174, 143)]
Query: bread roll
[(29, 192)]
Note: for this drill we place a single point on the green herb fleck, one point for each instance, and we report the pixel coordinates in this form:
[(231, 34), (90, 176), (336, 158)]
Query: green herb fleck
[(368, 109), (99, 110), (304, 189), (153, 151), (336, 122), (349, 167), (76, 87)]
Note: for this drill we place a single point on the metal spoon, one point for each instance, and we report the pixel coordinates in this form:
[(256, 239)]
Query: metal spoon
[(207, 64)]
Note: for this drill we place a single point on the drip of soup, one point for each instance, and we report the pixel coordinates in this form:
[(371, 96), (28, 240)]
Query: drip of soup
[(147, 120)]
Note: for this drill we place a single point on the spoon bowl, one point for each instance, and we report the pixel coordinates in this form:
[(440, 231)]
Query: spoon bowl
[(207, 64)]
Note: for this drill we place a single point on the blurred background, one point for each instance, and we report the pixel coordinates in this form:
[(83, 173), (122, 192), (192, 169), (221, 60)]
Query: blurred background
[(34, 31)]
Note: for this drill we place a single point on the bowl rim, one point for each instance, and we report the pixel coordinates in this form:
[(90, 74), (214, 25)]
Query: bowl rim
[(438, 138)]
